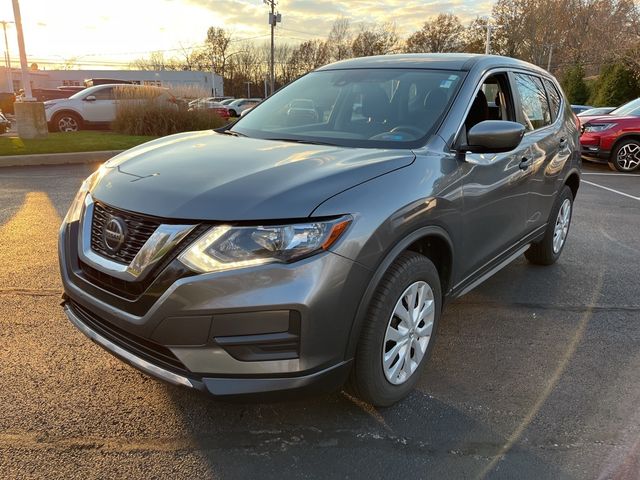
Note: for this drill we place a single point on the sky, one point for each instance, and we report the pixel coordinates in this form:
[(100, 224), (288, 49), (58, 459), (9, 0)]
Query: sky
[(113, 33)]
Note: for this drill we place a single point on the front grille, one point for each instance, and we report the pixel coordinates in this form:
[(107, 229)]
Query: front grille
[(139, 229), (138, 346), (133, 290)]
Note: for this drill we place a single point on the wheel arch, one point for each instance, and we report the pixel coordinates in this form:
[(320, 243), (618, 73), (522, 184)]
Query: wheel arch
[(57, 114), (432, 241), (573, 182), (622, 138)]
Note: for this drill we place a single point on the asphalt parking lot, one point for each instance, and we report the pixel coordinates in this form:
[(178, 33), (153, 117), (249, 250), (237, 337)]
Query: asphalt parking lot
[(535, 374)]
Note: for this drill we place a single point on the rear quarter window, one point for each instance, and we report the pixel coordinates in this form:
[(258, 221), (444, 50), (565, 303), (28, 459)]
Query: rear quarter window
[(554, 98)]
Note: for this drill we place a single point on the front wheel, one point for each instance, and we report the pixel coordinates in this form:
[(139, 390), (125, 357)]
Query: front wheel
[(67, 122), (399, 332), (626, 156), (548, 250)]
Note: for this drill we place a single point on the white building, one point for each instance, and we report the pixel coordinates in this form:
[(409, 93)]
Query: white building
[(206, 81)]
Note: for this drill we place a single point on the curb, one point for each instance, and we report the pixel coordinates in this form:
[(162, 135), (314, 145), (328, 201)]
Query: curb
[(57, 158)]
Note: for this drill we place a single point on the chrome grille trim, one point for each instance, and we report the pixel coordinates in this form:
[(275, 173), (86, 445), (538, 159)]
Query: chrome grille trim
[(163, 240)]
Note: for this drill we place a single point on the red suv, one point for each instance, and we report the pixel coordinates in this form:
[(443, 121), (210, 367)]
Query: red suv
[(614, 138)]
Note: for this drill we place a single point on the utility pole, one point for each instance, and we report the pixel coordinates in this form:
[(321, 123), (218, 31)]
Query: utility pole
[(549, 61), (274, 18), (26, 82), (7, 56), (248, 89)]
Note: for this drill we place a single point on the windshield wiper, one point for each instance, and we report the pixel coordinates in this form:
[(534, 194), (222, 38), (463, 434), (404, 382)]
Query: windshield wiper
[(235, 134), (296, 140)]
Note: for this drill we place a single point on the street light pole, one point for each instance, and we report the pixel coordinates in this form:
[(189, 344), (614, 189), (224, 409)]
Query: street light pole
[(26, 83), (487, 48), (248, 89), (549, 61), (7, 56)]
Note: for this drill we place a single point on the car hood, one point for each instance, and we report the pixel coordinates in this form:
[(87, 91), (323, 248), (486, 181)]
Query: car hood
[(54, 101), (212, 176), (607, 118)]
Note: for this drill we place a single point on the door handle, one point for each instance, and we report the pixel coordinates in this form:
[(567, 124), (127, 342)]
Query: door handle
[(525, 163), (563, 142)]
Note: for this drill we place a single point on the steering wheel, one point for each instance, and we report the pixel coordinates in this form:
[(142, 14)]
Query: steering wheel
[(408, 129)]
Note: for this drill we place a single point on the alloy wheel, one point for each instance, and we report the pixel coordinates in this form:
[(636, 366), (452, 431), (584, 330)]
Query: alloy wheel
[(408, 332), (68, 124), (562, 225), (628, 157)]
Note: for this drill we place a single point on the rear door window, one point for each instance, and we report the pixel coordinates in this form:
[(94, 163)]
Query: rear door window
[(533, 102)]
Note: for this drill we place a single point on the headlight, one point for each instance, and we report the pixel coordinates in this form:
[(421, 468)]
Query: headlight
[(598, 127), (73, 214), (225, 247)]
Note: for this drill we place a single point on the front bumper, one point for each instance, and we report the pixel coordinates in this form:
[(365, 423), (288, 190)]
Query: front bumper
[(324, 380), (591, 148), (272, 328)]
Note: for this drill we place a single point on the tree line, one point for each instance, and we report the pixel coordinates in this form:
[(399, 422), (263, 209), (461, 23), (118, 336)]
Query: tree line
[(573, 37)]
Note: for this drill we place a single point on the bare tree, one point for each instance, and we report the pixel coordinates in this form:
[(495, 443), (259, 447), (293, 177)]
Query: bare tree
[(375, 40), (584, 32), (217, 48), (438, 34), (155, 61), (340, 39), (474, 37)]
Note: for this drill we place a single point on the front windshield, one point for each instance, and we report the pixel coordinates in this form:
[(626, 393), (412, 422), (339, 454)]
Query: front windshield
[(631, 108), (383, 108), (83, 93)]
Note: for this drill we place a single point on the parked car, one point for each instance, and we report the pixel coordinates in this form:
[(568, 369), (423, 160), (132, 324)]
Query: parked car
[(218, 108), (208, 104), (96, 106), (268, 257), (93, 82), (614, 138), (71, 88), (302, 110), (239, 105), (580, 108), (227, 101), (592, 112), (5, 124), (45, 94)]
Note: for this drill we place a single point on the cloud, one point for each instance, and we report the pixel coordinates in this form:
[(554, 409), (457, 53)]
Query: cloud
[(303, 19)]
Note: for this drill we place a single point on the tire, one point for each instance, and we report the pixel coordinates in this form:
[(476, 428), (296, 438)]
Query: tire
[(370, 379), (233, 113), (67, 122), (549, 249), (626, 156)]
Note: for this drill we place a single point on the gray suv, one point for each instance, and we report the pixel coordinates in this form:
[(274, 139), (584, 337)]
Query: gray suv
[(295, 252)]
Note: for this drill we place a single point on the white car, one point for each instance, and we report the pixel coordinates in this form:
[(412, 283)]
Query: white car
[(96, 106), (241, 104)]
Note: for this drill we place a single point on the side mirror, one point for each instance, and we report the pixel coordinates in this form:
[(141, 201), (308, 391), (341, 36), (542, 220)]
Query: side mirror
[(90, 98), (494, 136)]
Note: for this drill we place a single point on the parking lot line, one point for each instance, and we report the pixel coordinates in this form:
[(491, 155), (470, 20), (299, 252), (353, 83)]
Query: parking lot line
[(612, 174), (611, 190)]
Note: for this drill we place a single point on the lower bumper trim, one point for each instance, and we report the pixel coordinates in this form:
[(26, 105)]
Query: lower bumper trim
[(322, 381), (128, 357)]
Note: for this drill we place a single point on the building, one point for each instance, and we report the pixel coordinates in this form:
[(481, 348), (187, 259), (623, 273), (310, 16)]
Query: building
[(164, 78)]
